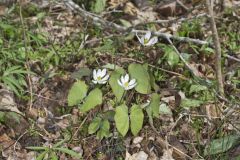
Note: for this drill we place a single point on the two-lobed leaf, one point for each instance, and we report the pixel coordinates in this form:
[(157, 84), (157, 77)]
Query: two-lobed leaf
[(104, 130), (117, 89), (140, 73), (94, 126), (136, 117), (77, 92), (154, 104), (92, 100), (121, 119)]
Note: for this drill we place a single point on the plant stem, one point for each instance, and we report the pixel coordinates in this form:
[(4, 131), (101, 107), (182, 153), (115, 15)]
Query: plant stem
[(122, 97), (217, 49)]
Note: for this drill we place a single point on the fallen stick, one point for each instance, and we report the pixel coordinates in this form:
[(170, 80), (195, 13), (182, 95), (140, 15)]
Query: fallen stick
[(97, 19), (233, 58), (170, 36)]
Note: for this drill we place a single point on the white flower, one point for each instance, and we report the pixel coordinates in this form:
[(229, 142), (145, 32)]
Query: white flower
[(100, 76), (147, 40), (125, 83)]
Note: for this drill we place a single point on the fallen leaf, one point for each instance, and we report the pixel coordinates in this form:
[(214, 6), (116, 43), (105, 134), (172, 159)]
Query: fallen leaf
[(167, 154), (137, 140), (136, 156)]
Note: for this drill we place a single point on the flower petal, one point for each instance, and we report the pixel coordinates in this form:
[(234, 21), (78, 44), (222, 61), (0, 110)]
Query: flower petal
[(152, 41), (142, 40), (94, 74), (126, 88), (132, 82), (132, 86), (147, 35), (126, 78), (105, 78), (103, 72), (139, 39), (99, 72), (95, 82), (120, 83), (122, 79), (102, 82)]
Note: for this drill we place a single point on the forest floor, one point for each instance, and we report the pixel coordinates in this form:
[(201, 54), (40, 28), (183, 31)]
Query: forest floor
[(54, 106)]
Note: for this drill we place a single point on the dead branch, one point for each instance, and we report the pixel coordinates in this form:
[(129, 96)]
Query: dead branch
[(182, 5), (97, 19), (233, 58), (170, 36), (181, 57), (217, 49)]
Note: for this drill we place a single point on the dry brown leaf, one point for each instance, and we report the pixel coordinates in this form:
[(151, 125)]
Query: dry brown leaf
[(137, 140), (131, 9), (3, 10), (116, 3), (136, 156), (147, 15), (7, 103), (167, 154), (167, 10), (212, 111)]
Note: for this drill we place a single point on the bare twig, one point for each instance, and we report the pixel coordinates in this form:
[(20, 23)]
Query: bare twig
[(233, 58), (181, 57), (97, 19), (182, 5), (15, 144), (217, 49), (158, 68), (170, 36)]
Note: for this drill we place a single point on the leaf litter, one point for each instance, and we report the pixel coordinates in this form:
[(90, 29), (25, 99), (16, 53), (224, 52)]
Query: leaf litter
[(49, 122)]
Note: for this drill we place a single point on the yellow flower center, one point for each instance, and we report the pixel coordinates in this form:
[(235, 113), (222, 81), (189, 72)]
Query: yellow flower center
[(145, 41), (99, 78), (126, 84)]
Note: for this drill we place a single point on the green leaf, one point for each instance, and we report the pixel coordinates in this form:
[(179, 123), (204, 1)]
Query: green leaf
[(81, 73), (42, 155), (69, 152), (187, 103), (77, 92), (154, 105), (2, 116), (221, 145), (94, 126), (164, 109), (111, 66), (117, 89), (197, 88), (37, 148), (140, 73), (53, 156), (125, 23), (136, 117), (108, 46), (153, 83), (171, 56), (104, 130), (99, 6), (92, 100), (121, 119)]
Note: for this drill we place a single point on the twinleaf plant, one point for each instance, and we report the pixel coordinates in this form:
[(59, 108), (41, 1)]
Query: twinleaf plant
[(128, 112)]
